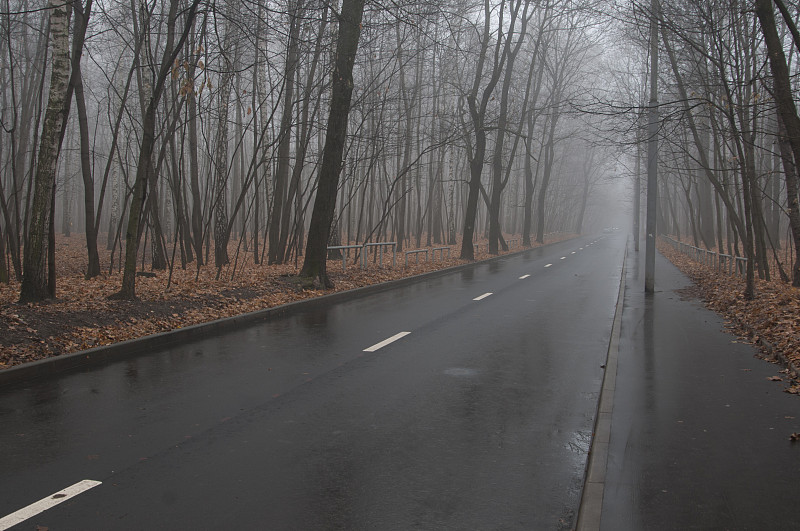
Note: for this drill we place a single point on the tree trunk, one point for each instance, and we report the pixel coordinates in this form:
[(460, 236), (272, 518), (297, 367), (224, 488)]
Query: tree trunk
[(314, 264), (221, 225), (158, 255), (549, 159), (788, 116), (588, 164), (279, 193), (293, 192), (477, 111), (34, 280), (790, 172), (145, 164), (81, 21), (66, 205), (498, 183), (194, 179)]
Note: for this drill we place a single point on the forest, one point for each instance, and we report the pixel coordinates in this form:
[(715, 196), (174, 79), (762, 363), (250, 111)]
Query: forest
[(208, 136)]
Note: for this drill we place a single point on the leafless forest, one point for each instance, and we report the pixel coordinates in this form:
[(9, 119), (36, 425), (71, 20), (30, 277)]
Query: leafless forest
[(172, 131)]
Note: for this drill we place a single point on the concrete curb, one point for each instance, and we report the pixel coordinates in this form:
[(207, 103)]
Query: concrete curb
[(132, 347), (777, 355), (591, 505)]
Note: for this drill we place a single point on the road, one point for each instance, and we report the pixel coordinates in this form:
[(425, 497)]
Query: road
[(700, 434), (478, 417)]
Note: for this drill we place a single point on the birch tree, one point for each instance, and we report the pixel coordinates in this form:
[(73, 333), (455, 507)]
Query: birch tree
[(34, 278)]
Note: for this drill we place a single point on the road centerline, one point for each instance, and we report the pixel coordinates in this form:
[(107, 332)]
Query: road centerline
[(385, 342), (42, 505), (481, 297)]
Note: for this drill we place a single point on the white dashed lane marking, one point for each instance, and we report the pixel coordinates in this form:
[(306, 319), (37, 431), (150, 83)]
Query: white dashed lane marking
[(523, 277), (46, 503), (385, 342), (481, 297)]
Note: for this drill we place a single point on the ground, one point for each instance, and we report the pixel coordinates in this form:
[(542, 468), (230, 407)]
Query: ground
[(81, 317), (771, 321)]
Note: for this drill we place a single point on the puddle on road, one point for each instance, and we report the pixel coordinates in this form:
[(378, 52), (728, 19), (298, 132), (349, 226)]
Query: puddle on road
[(460, 372)]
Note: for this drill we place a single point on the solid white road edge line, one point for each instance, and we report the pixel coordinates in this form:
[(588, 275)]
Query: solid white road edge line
[(480, 298), (46, 503), (523, 277), (385, 342)]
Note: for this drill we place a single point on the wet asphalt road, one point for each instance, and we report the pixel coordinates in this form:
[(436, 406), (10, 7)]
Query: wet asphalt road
[(700, 436), (480, 418)]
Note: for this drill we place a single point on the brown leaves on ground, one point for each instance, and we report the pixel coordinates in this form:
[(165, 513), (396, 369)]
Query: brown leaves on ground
[(81, 317), (771, 320)]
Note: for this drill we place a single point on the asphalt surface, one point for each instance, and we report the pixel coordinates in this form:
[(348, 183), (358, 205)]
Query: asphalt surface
[(479, 418), (699, 434)]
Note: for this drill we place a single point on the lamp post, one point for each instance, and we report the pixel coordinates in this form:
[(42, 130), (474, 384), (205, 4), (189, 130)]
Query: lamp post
[(652, 155)]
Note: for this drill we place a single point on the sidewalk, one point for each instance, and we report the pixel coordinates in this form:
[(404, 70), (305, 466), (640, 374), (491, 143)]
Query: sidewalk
[(699, 435)]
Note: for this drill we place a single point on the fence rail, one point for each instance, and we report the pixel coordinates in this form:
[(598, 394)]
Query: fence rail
[(380, 246), (441, 253), (429, 253), (416, 254), (719, 261), (364, 248), (346, 249)]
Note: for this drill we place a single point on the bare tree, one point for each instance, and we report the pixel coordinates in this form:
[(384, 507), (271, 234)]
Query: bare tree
[(34, 280), (788, 119), (145, 163), (314, 265)]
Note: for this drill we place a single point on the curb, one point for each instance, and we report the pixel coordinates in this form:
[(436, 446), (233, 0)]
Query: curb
[(116, 351), (591, 504), (776, 355)]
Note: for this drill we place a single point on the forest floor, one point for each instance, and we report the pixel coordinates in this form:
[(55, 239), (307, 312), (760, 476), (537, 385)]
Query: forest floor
[(771, 321), (81, 317)]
